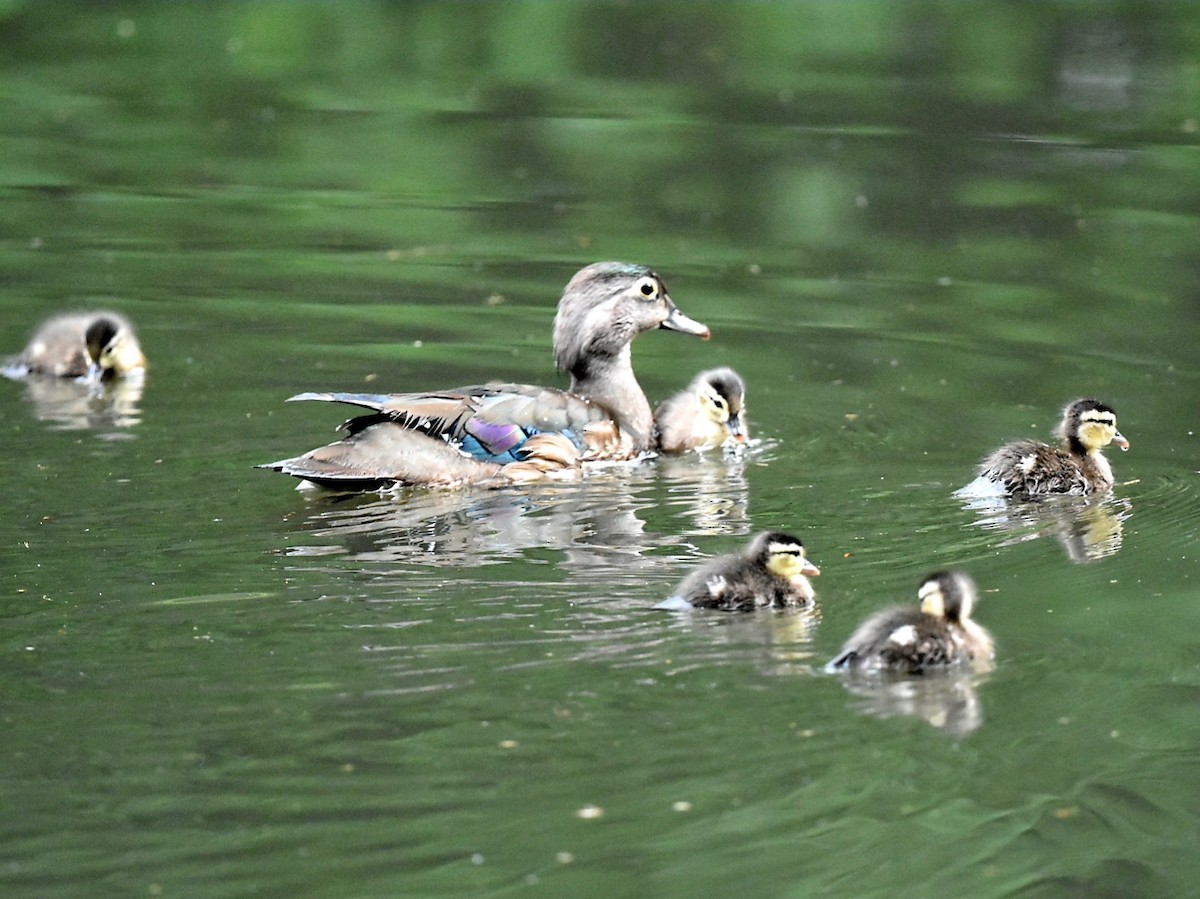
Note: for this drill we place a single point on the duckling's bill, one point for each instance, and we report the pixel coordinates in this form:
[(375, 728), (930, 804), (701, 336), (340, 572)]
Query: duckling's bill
[(737, 429)]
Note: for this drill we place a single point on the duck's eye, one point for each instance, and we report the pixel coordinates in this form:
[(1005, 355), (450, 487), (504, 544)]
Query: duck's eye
[(648, 287)]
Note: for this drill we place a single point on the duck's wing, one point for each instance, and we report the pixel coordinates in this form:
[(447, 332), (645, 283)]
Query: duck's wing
[(1033, 468), (879, 641), (490, 423), (374, 458), (387, 455)]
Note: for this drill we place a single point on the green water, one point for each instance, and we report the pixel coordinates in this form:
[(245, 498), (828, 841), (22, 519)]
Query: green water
[(916, 229)]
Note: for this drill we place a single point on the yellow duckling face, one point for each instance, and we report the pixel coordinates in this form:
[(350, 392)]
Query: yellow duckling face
[(1098, 429), (122, 354), (114, 350), (1093, 424), (722, 396), (933, 598), (786, 559), (714, 405), (948, 594)]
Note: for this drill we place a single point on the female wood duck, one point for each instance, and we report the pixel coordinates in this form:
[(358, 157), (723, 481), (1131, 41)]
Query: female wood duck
[(503, 432), (97, 346), (705, 414), (771, 571), (937, 634), (1028, 468)]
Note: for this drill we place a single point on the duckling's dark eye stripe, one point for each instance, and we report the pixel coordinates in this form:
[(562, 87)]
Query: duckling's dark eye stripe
[(1104, 418)]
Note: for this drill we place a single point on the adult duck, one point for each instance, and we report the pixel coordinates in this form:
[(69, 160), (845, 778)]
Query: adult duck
[(498, 433)]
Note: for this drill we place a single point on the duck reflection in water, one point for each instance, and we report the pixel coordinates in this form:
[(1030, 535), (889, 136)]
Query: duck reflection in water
[(1089, 528), (596, 522), (779, 641), (946, 700), (710, 489), (69, 405)]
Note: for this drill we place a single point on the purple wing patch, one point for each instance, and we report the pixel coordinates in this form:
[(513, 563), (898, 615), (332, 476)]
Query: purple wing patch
[(497, 438)]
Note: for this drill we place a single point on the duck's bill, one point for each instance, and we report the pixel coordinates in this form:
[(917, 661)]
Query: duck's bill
[(809, 569), (737, 429), (677, 321), (1119, 440), (94, 374)]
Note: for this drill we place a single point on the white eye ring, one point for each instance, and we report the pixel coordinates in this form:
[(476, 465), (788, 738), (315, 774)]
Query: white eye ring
[(648, 288)]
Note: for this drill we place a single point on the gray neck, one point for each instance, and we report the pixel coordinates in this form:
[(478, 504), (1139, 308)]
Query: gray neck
[(609, 381)]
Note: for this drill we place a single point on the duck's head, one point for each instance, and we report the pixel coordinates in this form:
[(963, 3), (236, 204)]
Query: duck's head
[(782, 554), (1092, 425), (948, 594), (112, 349), (722, 396), (604, 307)]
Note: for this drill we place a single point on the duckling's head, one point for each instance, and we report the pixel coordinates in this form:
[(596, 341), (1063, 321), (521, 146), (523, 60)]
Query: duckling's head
[(782, 554), (948, 594), (112, 349), (604, 307), (722, 397), (1091, 425)]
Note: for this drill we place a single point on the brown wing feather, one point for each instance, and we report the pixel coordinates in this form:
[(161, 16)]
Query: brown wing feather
[(1028, 466)]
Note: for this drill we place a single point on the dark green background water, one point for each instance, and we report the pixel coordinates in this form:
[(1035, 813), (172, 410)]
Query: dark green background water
[(917, 229)]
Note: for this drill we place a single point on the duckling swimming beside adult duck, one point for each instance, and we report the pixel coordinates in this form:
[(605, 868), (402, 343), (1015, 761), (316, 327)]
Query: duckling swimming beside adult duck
[(1029, 468), (939, 633), (498, 433), (772, 571), (98, 346), (709, 412)]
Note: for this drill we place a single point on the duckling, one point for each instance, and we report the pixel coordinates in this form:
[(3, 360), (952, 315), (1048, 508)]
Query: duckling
[(97, 346), (1029, 468), (772, 571), (937, 634), (471, 434), (707, 413)]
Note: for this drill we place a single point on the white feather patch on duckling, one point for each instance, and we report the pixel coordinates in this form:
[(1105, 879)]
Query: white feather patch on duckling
[(717, 586)]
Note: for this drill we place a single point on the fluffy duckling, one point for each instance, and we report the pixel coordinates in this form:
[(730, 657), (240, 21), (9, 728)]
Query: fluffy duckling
[(707, 413), (1029, 468), (471, 435), (98, 346), (937, 634), (771, 571)]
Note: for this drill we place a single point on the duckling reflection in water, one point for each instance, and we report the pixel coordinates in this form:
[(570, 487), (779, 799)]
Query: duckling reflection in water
[(97, 346), (1028, 468), (772, 571), (709, 489), (939, 633), (1088, 529), (950, 704), (709, 412)]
